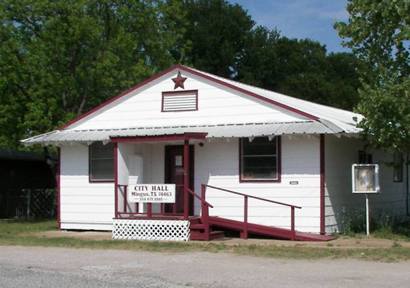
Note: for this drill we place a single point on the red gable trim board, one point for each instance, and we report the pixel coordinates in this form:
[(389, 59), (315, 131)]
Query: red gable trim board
[(196, 73)]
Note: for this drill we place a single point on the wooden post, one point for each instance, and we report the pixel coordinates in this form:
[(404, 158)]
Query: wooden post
[(58, 173), (186, 178), (149, 210), (367, 216), (28, 212), (205, 212), (125, 198), (245, 218), (116, 179)]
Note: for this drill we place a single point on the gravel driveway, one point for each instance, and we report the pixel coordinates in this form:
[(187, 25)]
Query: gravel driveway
[(58, 267)]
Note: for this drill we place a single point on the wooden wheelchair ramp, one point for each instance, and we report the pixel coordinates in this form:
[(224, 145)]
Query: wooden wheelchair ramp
[(219, 223), (209, 227)]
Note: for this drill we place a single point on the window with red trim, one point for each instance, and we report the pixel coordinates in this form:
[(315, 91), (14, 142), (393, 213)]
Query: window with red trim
[(175, 101), (259, 159), (101, 162)]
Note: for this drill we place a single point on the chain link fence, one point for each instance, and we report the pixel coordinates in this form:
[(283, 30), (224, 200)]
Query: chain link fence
[(28, 203)]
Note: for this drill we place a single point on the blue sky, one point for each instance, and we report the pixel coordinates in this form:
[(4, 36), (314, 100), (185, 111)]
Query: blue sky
[(311, 19)]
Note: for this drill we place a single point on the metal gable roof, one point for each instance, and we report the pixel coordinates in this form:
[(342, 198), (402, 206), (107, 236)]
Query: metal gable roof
[(320, 119), (213, 131), (345, 119)]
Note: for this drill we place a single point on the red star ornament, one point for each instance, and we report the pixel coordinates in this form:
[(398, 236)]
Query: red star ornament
[(179, 81)]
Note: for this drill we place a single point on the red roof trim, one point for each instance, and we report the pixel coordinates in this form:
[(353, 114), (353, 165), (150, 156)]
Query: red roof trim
[(110, 100), (197, 73), (249, 93)]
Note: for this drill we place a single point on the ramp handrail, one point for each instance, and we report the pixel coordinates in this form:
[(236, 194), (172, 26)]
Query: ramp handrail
[(245, 216), (200, 198)]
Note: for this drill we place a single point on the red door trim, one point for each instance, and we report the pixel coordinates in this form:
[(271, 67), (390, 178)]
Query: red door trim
[(191, 170)]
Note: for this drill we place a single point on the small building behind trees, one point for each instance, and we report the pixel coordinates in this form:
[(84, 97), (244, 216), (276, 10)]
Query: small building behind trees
[(28, 185)]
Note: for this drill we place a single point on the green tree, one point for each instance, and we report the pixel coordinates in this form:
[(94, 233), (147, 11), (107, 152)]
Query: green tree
[(378, 32), (217, 31), (259, 63), (59, 58), (299, 68)]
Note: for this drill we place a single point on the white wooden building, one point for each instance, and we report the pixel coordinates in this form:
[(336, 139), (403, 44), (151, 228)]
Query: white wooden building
[(213, 136)]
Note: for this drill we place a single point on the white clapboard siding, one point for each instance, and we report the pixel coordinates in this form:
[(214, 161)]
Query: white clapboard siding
[(217, 164), (84, 205), (216, 105), (341, 205), (87, 205)]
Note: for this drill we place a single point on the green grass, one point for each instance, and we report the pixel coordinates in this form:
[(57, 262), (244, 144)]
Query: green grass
[(26, 234), (392, 231), (399, 232)]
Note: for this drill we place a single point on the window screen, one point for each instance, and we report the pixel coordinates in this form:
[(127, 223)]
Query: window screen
[(101, 162), (259, 159)]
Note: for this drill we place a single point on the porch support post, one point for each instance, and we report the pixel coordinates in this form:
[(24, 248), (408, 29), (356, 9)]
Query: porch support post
[(186, 178), (322, 185), (58, 182), (115, 180)]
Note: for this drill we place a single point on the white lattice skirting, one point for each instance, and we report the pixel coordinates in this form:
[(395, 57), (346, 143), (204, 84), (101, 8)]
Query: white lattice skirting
[(166, 230)]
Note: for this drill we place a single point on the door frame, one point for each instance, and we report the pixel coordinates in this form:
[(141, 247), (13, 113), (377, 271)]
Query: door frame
[(191, 172)]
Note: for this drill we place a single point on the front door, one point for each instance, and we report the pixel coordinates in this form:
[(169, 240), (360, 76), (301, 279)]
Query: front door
[(174, 173)]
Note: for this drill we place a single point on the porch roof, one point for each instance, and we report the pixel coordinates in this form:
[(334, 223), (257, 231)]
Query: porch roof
[(212, 131)]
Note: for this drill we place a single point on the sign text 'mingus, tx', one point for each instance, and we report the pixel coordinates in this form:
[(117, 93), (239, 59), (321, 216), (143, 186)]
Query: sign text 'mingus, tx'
[(151, 193)]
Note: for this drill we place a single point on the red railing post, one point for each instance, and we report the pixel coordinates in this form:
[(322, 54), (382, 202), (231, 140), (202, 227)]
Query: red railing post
[(245, 218), (245, 229), (205, 211), (186, 178), (149, 210), (292, 222), (125, 198)]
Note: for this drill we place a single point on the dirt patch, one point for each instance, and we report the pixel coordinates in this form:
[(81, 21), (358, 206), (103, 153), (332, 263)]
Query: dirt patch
[(341, 242)]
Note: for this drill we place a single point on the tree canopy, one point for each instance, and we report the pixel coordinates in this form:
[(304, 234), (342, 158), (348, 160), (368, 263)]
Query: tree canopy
[(378, 32), (300, 68), (59, 58)]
